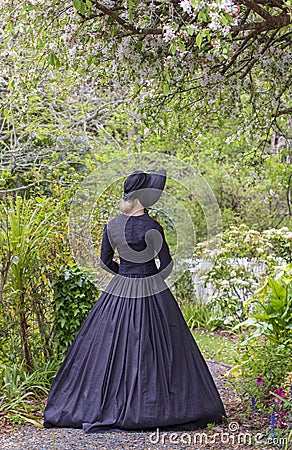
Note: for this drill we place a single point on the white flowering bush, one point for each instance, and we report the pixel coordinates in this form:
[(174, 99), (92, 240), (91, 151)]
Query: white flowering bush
[(240, 262)]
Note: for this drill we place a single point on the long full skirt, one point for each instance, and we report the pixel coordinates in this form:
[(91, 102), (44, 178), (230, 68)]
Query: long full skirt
[(134, 365)]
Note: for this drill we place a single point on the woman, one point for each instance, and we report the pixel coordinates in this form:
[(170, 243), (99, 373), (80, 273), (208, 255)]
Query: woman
[(134, 364)]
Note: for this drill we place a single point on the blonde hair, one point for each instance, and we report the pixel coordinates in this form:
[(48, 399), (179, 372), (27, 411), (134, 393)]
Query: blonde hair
[(129, 206)]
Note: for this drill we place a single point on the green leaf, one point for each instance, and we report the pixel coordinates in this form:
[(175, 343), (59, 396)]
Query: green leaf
[(224, 21), (263, 290), (190, 30), (79, 5), (199, 39), (173, 48), (203, 15), (247, 323), (167, 76), (139, 45), (181, 46), (165, 88), (11, 84), (54, 60), (277, 290)]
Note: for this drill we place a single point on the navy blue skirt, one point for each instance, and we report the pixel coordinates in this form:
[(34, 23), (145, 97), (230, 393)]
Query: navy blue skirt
[(134, 365)]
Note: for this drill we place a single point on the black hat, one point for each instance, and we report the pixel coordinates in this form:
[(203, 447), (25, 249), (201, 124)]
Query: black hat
[(147, 187)]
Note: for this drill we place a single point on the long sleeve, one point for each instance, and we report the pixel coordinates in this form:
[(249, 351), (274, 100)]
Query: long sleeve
[(166, 261), (107, 253)]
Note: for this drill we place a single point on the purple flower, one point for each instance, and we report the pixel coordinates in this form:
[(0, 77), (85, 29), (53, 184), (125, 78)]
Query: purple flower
[(253, 402), (259, 380), (280, 423), (273, 425), (280, 393)]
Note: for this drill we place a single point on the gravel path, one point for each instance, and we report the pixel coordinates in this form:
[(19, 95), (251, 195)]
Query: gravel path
[(30, 437)]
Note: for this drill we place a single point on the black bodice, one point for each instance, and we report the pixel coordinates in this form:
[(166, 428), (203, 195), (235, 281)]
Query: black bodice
[(138, 240)]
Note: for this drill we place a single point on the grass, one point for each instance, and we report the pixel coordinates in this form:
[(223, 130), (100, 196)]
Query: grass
[(215, 347)]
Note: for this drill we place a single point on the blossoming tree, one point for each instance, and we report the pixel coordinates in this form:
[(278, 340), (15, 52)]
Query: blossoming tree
[(222, 55)]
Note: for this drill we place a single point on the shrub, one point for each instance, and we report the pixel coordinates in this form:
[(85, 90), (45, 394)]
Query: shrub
[(240, 262), (74, 297), (265, 353), (199, 315), (22, 393), (184, 288), (264, 357)]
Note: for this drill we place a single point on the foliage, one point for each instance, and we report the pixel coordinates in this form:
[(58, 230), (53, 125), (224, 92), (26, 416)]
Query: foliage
[(282, 402), (184, 287), (74, 297), (263, 374), (249, 190), (24, 233), (265, 353), (208, 83), (227, 56), (22, 393), (54, 132), (33, 246), (241, 259), (272, 310), (200, 315), (190, 40), (261, 358)]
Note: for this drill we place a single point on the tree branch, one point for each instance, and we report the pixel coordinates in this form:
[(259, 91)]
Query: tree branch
[(274, 23), (5, 191), (256, 8), (289, 202), (239, 51), (109, 12), (281, 112)]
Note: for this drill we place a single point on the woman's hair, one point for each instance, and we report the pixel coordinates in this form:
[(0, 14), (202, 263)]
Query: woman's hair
[(128, 206)]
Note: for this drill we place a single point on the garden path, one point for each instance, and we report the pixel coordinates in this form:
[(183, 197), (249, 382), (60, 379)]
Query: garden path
[(223, 437)]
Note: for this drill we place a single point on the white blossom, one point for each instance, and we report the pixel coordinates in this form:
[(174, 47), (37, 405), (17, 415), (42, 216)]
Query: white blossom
[(214, 25), (186, 6), (226, 30), (169, 33)]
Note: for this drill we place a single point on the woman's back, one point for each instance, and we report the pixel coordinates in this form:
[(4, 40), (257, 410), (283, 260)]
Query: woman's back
[(138, 240)]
